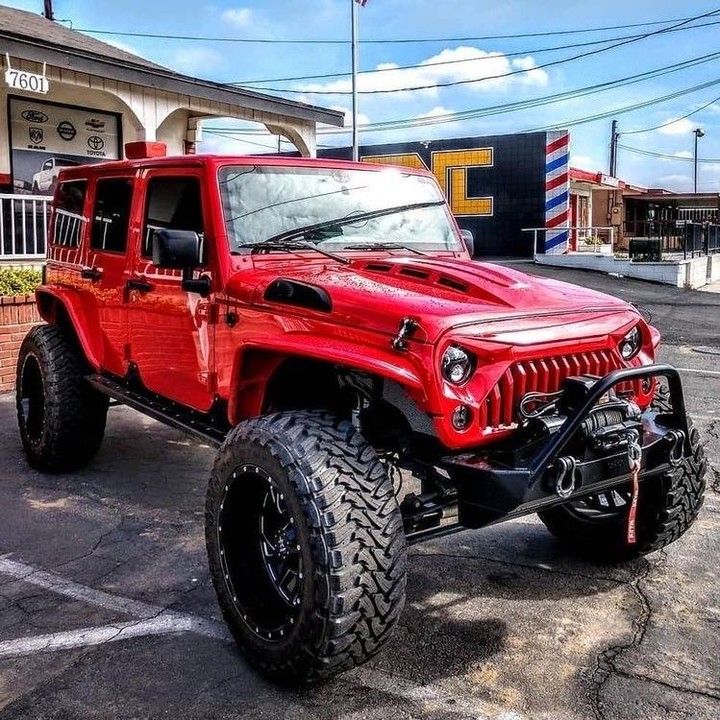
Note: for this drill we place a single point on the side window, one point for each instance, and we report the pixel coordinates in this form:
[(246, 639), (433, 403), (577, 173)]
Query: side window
[(47, 165), (69, 208), (111, 214), (173, 203)]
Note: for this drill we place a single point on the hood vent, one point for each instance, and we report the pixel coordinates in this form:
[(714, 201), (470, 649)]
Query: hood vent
[(431, 277), (292, 292)]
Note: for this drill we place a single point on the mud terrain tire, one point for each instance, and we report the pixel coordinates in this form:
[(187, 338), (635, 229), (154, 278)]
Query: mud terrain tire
[(667, 507), (60, 416), (314, 489)]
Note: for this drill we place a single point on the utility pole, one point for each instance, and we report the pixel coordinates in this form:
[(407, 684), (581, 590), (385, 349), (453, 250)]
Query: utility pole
[(698, 133), (49, 14), (614, 135), (354, 30)]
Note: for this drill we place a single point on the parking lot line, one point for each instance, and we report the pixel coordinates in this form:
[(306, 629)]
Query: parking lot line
[(143, 611), (699, 371), (84, 637)]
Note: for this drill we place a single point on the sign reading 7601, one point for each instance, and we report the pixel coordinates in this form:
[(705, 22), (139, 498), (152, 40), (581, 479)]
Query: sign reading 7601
[(23, 80)]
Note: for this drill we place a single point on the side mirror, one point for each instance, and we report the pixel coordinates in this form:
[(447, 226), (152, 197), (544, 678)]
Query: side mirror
[(176, 249), (181, 250), (469, 239)]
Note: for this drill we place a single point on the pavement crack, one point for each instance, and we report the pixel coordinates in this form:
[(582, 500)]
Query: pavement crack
[(605, 661), (670, 686)]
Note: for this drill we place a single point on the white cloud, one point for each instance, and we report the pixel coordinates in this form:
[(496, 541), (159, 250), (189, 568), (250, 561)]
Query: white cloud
[(683, 154), (584, 162), (362, 118), (437, 111), (198, 61), (678, 127), (458, 64), (240, 17), (679, 183)]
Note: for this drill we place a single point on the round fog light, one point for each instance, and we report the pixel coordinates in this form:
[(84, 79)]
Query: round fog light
[(461, 417)]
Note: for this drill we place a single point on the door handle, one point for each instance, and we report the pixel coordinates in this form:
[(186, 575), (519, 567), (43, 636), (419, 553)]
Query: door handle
[(139, 284), (91, 273)]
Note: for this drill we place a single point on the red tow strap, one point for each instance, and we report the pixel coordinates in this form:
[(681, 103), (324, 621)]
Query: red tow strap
[(634, 461)]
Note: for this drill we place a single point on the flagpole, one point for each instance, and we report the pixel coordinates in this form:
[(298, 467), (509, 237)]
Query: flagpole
[(354, 28)]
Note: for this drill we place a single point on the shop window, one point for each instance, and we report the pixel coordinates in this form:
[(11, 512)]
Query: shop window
[(111, 215), (69, 218), (173, 203)]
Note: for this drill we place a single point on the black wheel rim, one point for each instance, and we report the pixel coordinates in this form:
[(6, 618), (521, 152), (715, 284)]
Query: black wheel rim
[(260, 554), (31, 403), (608, 505)]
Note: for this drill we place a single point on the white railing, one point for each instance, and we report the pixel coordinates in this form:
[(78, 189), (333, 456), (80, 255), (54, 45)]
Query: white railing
[(23, 227), (598, 240)]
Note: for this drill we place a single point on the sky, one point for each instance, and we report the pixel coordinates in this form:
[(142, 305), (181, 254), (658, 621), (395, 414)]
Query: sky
[(430, 19)]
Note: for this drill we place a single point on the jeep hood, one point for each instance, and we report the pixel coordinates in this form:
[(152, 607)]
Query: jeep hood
[(442, 294)]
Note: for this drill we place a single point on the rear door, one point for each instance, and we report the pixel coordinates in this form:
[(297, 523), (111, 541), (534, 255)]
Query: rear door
[(107, 269), (170, 330)]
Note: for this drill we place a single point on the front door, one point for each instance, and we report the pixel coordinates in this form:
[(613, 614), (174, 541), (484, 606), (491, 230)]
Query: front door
[(170, 335)]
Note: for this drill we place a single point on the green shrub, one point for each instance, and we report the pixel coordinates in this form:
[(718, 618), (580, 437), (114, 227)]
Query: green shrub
[(19, 281)]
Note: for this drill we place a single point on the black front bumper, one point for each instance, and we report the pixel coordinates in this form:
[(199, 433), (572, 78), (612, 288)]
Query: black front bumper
[(500, 484)]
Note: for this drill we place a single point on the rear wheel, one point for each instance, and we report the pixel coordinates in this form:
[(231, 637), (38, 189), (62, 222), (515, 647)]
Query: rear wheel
[(596, 526), (60, 416), (306, 545)]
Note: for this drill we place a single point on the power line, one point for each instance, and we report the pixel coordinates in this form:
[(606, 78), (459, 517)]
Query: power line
[(380, 41), (518, 53), (453, 83), (511, 107), (666, 156), (671, 122), (627, 108)]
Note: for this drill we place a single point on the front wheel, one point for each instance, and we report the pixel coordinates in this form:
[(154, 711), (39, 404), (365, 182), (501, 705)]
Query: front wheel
[(306, 545), (596, 526)]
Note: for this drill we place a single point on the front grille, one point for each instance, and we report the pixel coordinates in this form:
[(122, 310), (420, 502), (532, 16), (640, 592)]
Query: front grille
[(542, 375)]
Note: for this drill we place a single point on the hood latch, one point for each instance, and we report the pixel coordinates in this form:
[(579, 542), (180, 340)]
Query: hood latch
[(407, 327)]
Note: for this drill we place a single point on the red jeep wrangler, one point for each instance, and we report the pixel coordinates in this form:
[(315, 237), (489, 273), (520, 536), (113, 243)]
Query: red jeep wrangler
[(367, 384)]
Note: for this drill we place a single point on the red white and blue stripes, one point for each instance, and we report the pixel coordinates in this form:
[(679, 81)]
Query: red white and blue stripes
[(557, 191)]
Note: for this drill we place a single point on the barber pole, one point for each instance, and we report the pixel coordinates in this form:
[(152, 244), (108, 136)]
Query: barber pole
[(557, 192)]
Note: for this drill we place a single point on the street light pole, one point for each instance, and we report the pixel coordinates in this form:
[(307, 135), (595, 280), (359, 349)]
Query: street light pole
[(354, 23), (698, 132)]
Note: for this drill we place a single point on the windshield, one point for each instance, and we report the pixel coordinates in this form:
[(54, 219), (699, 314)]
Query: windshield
[(264, 202)]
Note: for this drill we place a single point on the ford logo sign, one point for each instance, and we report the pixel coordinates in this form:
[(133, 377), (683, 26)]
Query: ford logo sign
[(34, 116)]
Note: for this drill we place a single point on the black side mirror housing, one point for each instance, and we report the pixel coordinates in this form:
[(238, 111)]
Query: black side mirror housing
[(469, 239), (181, 250), (176, 249)]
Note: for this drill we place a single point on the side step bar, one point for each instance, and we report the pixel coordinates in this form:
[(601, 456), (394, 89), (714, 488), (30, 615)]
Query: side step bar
[(193, 423)]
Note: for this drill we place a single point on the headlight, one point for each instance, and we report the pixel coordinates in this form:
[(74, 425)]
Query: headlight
[(457, 364), (630, 344)]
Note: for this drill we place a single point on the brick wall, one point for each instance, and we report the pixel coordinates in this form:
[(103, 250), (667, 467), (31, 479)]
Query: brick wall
[(17, 316)]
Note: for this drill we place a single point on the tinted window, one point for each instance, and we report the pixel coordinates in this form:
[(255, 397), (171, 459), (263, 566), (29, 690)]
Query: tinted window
[(111, 215), (69, 208), (173, 203)]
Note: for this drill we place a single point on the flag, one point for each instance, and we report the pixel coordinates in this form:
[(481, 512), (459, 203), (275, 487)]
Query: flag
[(361, 2)]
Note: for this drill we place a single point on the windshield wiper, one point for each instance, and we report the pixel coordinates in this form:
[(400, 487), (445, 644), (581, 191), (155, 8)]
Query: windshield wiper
[(308, 230), (290, 244), (384, 246)]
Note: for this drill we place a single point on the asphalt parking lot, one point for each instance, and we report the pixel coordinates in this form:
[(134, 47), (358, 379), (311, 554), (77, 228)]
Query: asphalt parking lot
[(106, 609)]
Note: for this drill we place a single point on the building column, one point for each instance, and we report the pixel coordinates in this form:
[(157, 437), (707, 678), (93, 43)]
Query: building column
[(301, 135)]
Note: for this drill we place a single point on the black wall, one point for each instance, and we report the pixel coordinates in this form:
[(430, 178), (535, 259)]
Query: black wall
[(516, 181)]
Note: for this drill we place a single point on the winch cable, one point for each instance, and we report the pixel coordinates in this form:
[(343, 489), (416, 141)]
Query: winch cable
[(549, 400)]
